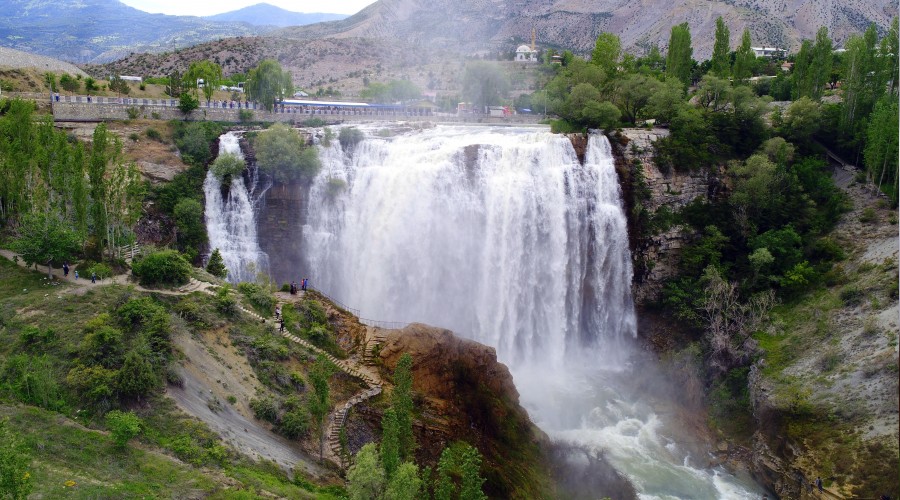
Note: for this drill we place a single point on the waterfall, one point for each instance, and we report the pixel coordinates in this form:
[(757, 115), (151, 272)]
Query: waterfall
[(231, 219), (500, 235)]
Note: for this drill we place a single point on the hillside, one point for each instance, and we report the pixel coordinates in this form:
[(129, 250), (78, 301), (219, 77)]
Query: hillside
[(263, 14), (470, 26), (103, 30)]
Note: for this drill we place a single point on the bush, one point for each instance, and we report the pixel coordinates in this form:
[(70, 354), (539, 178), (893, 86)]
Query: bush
[(102, 270), (280, 152), (265, 409), (245, 115), (166, 267), (123, 426), (260, 298), (194, 141), (134, 136), (227, 166), (216, 265), (867, 216), (295, 424), (225, 302), (349, 137), (133, 114), (154, 134)]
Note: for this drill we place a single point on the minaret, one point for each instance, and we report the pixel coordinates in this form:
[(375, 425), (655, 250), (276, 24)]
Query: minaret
[(532, 39)]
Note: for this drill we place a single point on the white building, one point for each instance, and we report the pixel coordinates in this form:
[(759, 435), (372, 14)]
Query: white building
[(525, 54), (768, 52)]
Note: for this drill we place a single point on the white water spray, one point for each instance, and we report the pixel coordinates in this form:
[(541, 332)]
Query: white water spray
[(231, 221), (502, 236)]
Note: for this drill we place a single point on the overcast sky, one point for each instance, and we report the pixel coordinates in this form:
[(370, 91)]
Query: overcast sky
[(209, 7)]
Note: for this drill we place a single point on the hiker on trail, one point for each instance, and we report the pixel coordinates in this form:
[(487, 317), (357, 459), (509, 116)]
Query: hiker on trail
[(293, 288), (819, 484), (93, 277), (277, 312), (282, 326), (66, 269), (76, 274), (305, 281)]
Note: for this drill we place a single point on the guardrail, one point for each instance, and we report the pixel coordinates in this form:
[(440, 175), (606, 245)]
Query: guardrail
[(386, 325)]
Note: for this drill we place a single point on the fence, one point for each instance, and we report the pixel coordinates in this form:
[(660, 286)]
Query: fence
[(386, 325)]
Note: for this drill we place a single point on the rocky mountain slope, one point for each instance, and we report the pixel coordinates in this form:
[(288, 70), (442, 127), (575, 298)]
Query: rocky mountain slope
[(263, 14), (475, 25), (103, 30)]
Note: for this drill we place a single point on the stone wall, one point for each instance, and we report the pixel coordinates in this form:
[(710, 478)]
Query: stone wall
[(655, 254)]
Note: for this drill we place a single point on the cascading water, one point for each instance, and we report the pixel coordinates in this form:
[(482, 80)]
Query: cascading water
[(231, 220), (502, 236)]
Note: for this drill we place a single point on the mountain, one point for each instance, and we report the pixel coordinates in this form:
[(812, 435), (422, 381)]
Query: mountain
[(103, 30), (263, 14), (472, 26)]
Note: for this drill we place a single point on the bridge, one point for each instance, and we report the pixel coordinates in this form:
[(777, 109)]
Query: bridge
[(86, 108)]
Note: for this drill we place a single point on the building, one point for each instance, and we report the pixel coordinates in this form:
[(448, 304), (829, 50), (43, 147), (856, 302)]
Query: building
[(128, 78), (770, 52), (526, 54)]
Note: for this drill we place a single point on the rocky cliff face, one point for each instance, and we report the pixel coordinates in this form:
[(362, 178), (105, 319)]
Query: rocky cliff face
[(465, 394), (649, 194), (279, 226)]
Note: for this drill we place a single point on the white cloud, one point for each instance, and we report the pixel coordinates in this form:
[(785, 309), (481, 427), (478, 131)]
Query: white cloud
[(209, 8)]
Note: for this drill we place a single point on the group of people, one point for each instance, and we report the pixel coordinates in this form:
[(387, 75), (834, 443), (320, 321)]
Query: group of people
[(65, 269), (303, 284)]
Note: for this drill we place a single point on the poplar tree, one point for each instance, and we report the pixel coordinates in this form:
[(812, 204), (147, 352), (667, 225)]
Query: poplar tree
[(882, 144), (721, 66), (860, 91), (402, 404), (743, 60), (268, 83), (319, 401), (100, 154), (606, 54), (678, 60), (390, 443), (821, 63)]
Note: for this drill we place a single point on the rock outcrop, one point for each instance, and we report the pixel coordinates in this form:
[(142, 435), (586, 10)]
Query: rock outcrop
[(465, 394)]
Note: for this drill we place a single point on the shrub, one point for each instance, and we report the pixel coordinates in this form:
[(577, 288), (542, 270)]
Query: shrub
[(851, 296), (123, 426), (265, 409), (154, 115), (133, 114), (194, 141), (227, 166), (216, 265), (349, 137), (867, 216), (280, 152), (134, 136), (225, 302), (295, 424), (102, 270), (245, 115), (154, 134), (166, 267), (313, 122), (259, 297)]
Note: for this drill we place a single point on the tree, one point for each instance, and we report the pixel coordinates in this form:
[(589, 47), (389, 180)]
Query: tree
[(189, 219), (484, 84), (721, 63), (226, 167), (15, 480), (459, 470), (802, 120), (405, 483), (678, 60), (175, 86), (187, 103), (209, 72), (68, 83), (268, 83), (216, 265), (281, 152), (606, 54), (45, 238), (137, 376), (881, 145), (390, 442), (319, 401), (165, 267), (401, 400), (744, 59), (90, 85), (118, 85), (366, 477), (632, 93), (820, 70), (860, 90), (123, 426), (50, 80)]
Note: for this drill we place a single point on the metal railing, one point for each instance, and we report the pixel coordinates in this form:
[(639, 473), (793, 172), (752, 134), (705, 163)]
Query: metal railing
[(386, 325)]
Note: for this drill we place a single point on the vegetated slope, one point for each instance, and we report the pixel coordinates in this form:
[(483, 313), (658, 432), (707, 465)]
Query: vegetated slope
[(475, 25), (23, 60), (264, 14), (102, 30), (826, 387)]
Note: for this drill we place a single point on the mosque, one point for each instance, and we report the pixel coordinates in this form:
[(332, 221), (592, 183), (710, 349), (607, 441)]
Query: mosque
[(525, 53)]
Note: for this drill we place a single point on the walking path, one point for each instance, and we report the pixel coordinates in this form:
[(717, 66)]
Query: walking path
[(338, 418)]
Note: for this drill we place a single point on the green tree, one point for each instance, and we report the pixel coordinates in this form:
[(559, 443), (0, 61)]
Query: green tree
[(68, 83), (320, 399), (822, 60), (485, 84), (209, 72), (45, 238), (175, 84), (664, 104), (678, 60), (459, 474), (187, 103), (721, 59), (281, 152), (802, 120), (118, 85), (137, 377), (632, 93), (123, 426), (860, 90), (268, 83), (226, 167), (216, 265), (190, 222), (402, 402), (606, 54), (165, 267), (15, 480), (405, 483), (882, 144), (50, 80), (744, 60), (390, 442), (366, 478)]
